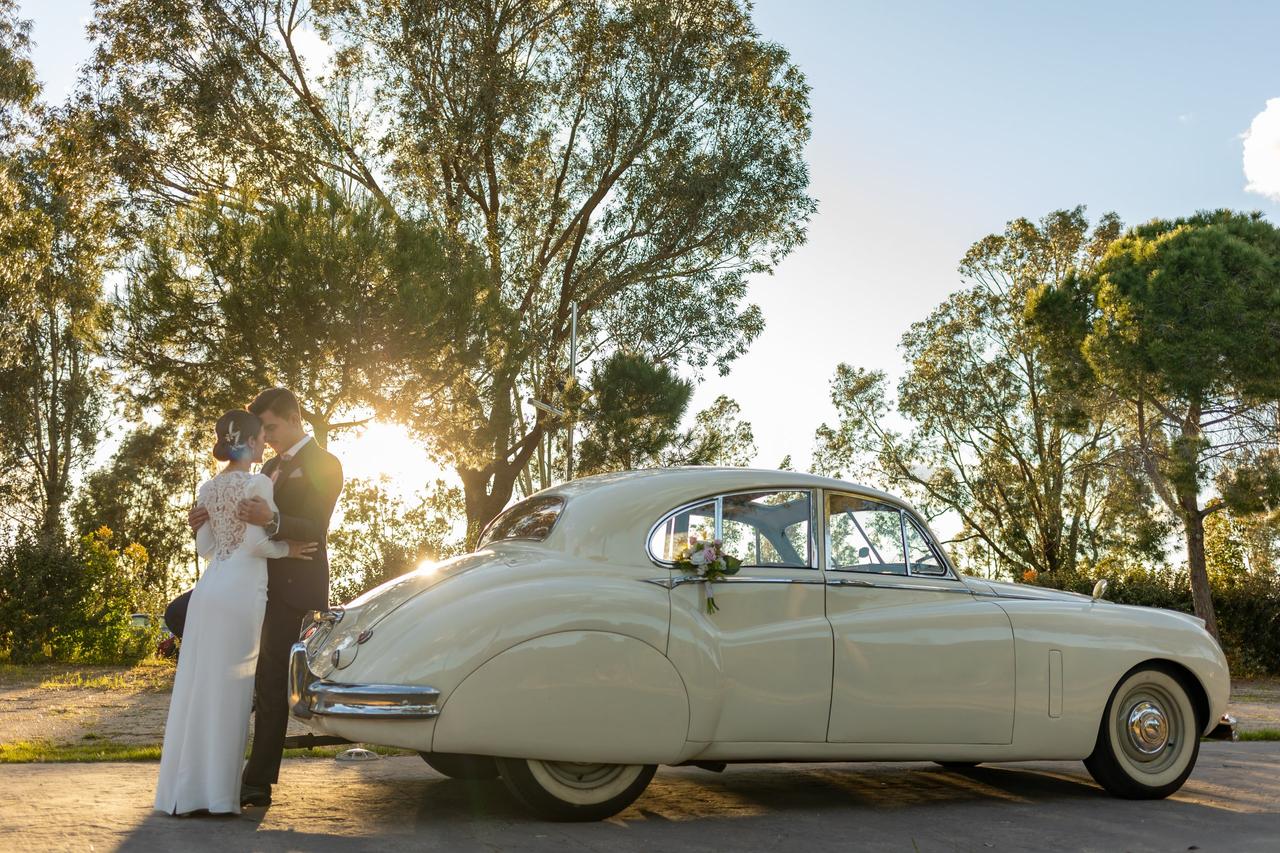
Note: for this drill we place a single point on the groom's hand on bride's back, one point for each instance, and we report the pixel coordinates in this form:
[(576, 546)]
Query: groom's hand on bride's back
[(255, 511), (197, 517)]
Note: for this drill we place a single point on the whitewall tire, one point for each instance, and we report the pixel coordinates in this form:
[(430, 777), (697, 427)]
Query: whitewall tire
[(569, 791), (1149, 737)]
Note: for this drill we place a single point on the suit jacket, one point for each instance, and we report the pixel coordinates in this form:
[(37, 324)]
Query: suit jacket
[(306, 490)]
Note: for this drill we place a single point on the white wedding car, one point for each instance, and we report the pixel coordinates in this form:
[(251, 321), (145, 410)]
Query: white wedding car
[(569, 656)]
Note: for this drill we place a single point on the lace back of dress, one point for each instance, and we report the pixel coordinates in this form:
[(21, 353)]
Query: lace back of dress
[(222, 496)]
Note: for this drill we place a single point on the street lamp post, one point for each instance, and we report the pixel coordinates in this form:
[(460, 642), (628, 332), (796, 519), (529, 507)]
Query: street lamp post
[(573, 378)]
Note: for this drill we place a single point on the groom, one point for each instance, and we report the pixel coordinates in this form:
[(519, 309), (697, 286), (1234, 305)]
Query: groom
[(307, 481)]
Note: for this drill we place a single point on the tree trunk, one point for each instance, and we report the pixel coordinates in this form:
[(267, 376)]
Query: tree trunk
[(1193, 525), (482, 503)]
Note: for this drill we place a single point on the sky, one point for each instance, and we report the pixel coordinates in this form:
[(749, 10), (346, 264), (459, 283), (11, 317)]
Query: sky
[(934, 124)]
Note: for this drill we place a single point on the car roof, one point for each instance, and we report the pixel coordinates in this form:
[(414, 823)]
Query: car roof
[(614, 523)]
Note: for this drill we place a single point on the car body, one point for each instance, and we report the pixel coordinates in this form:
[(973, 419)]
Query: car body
[(570, 639)]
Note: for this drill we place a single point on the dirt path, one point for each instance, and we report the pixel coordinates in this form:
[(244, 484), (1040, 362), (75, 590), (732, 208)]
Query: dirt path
[(71, 705)]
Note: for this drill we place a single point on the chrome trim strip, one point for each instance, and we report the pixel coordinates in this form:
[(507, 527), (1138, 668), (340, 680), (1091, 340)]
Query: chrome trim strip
[(962, 589), (310, 696), (681, 580)]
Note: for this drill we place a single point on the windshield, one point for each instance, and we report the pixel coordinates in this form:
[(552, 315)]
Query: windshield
[(529, 519)]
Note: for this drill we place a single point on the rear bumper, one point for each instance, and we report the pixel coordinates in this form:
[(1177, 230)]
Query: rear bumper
[(311, 696), (1224, 730)]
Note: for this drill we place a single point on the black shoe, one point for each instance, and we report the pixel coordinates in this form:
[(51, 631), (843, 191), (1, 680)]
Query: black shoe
[(255, 795)]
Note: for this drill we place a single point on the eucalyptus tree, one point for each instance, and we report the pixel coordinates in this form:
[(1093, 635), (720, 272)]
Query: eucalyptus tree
[(323, 293), (641, 159), (52, 378), (1026, 457), (1181, 320)]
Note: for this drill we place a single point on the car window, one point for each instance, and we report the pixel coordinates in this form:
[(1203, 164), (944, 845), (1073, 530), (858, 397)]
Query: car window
[(671, 536), (530, 519), (865, 535), (767, 528), (921, 558)]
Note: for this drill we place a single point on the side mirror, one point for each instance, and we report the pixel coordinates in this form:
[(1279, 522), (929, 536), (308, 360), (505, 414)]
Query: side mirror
[(1100, 589), (863, 553)]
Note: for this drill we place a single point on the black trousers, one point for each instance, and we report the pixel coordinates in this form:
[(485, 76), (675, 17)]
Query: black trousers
[(280, 627)]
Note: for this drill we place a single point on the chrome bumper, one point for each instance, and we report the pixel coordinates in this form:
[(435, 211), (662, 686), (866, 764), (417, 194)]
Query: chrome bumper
[(1224, 730), (310, 696)]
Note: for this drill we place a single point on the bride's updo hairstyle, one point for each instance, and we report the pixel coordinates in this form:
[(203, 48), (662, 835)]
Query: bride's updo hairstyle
[(234, 430)]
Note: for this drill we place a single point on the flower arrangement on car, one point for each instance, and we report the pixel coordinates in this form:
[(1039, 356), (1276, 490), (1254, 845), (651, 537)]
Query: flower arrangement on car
[(708, 560)]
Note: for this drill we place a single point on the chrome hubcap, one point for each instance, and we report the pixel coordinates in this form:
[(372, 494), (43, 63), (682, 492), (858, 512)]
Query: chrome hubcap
[(583, 776), (1148, 728)]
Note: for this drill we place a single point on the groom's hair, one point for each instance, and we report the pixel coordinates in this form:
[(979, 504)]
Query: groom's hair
[(279, 401)]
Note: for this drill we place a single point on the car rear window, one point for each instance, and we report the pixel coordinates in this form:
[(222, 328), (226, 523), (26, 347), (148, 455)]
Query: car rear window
[(530, 519)]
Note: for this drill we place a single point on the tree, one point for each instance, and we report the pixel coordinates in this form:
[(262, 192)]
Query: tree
[(1025, 458), (380, 538), (632, 420), (609, 154), (142, 494), (1179, 321), (53, 323), (633, 414), (319, 292), (718, 437)]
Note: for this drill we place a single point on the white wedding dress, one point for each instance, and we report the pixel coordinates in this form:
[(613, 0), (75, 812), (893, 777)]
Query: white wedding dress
[(208, 725)]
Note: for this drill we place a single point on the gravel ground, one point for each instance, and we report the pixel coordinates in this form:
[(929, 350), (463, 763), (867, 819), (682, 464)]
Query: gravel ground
[(1231, 803)]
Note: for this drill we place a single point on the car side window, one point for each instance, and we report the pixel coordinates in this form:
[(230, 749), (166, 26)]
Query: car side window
[(864, 535), (671, 536), (921, 558), (767, 528)]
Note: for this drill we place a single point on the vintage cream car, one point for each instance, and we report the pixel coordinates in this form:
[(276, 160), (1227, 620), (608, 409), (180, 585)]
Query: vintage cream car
[(570, 657)]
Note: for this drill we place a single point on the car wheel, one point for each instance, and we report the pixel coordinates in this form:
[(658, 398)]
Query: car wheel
[(568, 791), (1149, 737), (455, 766)]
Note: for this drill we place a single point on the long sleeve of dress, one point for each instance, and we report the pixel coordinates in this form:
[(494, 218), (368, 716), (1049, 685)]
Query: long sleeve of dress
[(205, 542), (260, 544)]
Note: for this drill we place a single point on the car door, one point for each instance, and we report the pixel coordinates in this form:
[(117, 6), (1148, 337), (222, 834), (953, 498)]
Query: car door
[(758, 669), (918, 658)]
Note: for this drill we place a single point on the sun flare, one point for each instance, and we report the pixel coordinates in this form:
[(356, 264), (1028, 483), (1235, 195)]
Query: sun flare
[(386, 451)]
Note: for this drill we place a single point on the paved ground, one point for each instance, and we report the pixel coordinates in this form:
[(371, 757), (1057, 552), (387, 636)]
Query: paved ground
[(1231, 803)]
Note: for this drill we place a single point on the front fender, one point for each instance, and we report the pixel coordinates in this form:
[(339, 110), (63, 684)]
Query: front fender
[(586, 696)]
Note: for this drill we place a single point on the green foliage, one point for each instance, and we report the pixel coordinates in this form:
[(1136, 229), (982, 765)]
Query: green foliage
[(642, 159), (1178, 320), (379, 537), (52, 318), (142, 495), (633, 413), (74, 602), (1023, 453), (325, 294)]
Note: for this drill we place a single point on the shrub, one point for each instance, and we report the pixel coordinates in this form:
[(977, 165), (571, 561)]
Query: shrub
[(74, 601)]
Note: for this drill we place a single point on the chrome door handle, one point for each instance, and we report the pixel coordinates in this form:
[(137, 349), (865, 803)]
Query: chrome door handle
[(849, 582)]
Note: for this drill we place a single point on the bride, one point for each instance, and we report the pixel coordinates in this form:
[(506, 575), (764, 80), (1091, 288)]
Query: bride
[(208, 724)]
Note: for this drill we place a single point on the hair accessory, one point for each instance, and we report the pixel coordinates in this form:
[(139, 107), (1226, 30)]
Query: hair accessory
[(233, 437)]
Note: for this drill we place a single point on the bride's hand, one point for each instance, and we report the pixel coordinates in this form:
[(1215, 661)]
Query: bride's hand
[(301, 550)]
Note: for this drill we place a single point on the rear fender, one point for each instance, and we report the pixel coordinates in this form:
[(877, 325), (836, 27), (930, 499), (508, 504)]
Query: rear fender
[(586, 696)]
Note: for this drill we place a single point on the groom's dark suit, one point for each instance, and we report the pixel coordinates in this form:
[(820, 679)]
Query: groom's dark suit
[(306, 490)]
